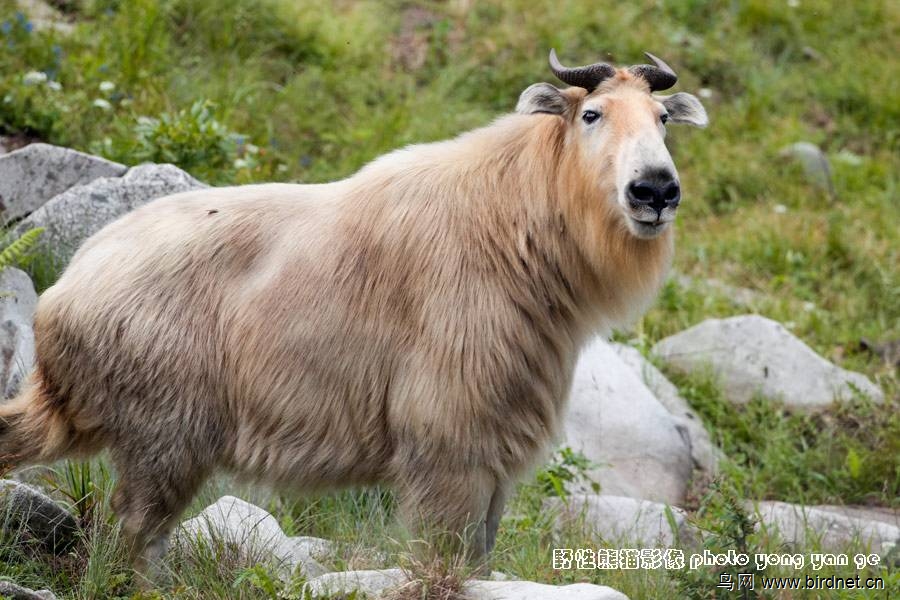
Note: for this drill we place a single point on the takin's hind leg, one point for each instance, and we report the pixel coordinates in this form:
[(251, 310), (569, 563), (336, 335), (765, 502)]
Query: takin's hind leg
[(152, 492)]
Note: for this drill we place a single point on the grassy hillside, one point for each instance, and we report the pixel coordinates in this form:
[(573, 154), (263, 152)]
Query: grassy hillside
[(238, 91)]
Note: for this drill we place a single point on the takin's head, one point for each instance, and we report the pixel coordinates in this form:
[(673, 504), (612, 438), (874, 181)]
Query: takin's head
[(617, 127)]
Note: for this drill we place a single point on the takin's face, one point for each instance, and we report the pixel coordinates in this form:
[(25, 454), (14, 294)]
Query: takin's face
[(618, 132)]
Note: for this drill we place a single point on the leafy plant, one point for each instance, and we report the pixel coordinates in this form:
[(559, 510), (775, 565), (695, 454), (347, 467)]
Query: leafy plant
[(84, 484), (32, 110), (567, 466), (15, 253), (193, 139), (260, 578), (726, 527), (30, 98)]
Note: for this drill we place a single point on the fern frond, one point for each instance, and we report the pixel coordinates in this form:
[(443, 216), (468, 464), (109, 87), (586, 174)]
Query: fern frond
[(13, 253)]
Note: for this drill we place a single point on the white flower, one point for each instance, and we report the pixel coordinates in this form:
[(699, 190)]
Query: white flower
[(107, 86), (780, 209), (793, 3), (240, 163), (54, 85), (705, 93), (102, 104), (7, 98), (282, 168), (34, 78), (251, 149)]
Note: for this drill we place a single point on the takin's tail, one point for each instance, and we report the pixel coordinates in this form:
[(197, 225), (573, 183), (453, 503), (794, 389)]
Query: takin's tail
[(31, 430)]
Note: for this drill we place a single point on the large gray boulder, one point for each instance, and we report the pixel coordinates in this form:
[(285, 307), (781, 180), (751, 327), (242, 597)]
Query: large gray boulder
[(753, 355), (25, 509), (31, 176), (17, 592), (616, 421), (629, 522), (17, 303), (706, 456), (256, 536), (76, 214), (827, 528)]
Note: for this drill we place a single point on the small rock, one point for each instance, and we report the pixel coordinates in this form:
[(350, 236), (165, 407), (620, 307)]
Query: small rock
[(739, 296), (622, 520), (371, 583), (76, 214), (643, 451), (828, 528), (375, 583), (705, 455), (45, 17), (529, 590), (256, 535), (811, 53), (33, 175), (17, 592), (815, 164), (307, 552), (889, 351), (25, 508), (754, 355), (17, 303)]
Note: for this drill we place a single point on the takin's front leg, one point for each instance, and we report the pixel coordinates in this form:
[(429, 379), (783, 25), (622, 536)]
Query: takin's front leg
[(494, 514), (449, 511)]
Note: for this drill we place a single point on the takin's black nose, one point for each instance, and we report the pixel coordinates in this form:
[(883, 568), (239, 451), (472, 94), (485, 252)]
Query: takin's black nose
[(658, 191)]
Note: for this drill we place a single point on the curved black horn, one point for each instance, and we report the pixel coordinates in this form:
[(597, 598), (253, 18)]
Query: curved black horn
[(587, 77), (660, 77)]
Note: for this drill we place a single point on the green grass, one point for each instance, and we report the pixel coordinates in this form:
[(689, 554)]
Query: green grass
[(237, 91)]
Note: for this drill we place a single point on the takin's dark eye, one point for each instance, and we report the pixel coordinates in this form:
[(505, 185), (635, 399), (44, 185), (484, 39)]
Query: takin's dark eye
[(664, 117), (589, 116)]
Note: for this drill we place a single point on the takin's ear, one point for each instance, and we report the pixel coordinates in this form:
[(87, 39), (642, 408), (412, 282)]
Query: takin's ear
[(684, 108), (542, 98)]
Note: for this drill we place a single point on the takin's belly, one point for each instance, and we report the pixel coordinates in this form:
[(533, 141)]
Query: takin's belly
[(311, 403)]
